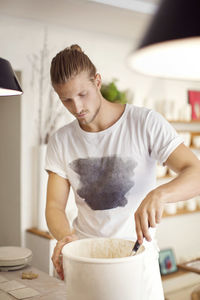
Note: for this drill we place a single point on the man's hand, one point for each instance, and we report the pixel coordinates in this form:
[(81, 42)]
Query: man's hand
[(57, 255), (148, 214)]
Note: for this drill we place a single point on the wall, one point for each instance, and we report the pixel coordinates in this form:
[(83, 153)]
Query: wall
[(25, 51), (23, 44), (10, 153), (181, 234)]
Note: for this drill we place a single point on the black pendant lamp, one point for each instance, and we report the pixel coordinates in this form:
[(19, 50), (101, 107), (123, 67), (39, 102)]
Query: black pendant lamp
[(171, 45), (9, 85)]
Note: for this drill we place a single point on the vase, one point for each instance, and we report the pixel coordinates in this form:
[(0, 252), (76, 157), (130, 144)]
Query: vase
[(42, 179)]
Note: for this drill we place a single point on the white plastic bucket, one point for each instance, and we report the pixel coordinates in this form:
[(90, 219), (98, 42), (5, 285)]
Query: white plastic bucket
[(101, 269)]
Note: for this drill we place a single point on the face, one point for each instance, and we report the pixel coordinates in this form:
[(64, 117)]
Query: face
[(81, 97)]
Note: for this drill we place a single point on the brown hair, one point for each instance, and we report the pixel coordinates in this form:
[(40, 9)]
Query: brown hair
[(70, 62)]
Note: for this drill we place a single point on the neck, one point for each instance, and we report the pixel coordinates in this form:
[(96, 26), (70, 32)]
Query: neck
[(108, 114)]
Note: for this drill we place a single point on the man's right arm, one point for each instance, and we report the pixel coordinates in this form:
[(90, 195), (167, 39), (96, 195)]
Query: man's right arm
[(57, 195)]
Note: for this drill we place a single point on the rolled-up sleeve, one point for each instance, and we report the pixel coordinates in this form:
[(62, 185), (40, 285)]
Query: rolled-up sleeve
[(162, 137), (54, 161)]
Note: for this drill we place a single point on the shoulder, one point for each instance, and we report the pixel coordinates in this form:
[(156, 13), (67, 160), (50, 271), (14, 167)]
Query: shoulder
[(147, 120), (138, 114), (67, 129), (63, 132), (137, 110), (144, 113)]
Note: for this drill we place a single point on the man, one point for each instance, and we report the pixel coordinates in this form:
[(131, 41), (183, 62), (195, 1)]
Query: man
[(108, 155)]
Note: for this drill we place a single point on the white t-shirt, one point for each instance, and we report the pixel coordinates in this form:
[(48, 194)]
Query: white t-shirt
[(111, 171)]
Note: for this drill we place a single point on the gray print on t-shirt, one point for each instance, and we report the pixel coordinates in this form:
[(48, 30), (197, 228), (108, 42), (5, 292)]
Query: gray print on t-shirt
[(104, 181)]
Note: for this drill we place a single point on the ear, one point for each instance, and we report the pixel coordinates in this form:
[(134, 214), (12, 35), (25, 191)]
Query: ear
[(97, 80)]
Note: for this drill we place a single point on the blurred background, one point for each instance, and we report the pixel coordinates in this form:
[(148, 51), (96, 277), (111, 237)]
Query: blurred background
[(31, 33)]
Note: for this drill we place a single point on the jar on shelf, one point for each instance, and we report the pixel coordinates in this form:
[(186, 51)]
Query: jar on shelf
[(161, 171), (180, 205), (186, 136), (170, 208), (198, 201), (196, 141), (191, 204), (172, 173)]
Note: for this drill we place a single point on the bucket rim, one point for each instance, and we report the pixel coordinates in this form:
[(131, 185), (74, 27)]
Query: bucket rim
[(91, 260)]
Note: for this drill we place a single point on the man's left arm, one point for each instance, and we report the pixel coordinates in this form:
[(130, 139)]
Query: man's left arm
[(185, 186)]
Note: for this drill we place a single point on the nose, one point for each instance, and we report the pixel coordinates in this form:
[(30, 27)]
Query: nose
[(77, 106)]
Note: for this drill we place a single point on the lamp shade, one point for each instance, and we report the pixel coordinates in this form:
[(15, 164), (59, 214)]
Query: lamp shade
[(171, 45), (9, 85)]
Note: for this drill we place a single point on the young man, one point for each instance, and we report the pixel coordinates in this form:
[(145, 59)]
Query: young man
[(108, 156)]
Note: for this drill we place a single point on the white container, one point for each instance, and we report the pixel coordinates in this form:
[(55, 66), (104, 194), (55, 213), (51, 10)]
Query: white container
[(42, 177), (191, 204), (161, 171), (196, 141), (180, 205), (101, 269), (170, 208), (172, 173), (186, 135), (198, 201)]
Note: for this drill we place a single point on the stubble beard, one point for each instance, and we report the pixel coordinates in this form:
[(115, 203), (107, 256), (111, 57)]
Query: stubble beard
[(85, 122)]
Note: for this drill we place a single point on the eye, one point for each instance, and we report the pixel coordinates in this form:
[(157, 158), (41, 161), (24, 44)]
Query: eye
[(83, 95)]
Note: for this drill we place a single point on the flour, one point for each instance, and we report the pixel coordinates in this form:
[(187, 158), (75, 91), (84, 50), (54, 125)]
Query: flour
[(105, 248)]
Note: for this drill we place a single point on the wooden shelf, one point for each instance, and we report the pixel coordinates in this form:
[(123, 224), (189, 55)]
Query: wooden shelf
[(167, 176), (182, 211), (38, 232), (180, 272), (184, 122), (194, 148)]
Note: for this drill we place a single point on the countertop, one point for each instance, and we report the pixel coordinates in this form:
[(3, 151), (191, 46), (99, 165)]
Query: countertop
[(50, 288)]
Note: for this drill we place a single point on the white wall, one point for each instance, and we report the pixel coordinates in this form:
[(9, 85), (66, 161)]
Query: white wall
[(10, 141), (22, 43), (181, 234)]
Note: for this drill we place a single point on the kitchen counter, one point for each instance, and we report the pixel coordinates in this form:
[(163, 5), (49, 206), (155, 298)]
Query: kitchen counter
[(49, 288), (180, 285)]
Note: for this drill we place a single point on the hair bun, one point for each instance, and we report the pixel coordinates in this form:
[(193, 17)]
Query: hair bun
[(76, 47)]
